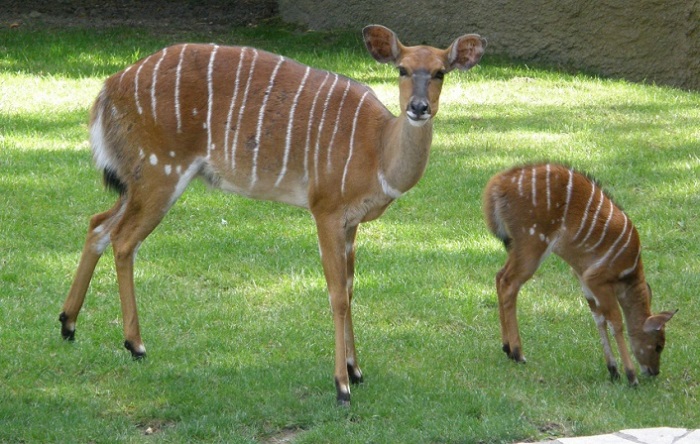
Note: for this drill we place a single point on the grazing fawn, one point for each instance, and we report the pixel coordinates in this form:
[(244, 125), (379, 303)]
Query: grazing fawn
[(545, 208), (263, 126)]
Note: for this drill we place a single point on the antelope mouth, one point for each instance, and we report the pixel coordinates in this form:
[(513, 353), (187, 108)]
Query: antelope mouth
[(417, 120)]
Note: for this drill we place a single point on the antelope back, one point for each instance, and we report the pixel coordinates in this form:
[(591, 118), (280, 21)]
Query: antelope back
[(554, 208), (247, 120)]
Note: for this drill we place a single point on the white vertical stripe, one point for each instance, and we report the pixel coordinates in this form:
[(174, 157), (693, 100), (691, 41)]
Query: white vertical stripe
[(261, 116), (594, 219), (605, 228), (210, 97), (624, 246), (569, 190), (549, 205), (310, 124), (121, 77), (178, 74), (136, 85), (602, 260), (320, 127), (629, 270), (233, 101), (352, 141), (242, 108), (585, 212), (335, 127), (153, 83), (520, 182), (290, 127), (534, 187)]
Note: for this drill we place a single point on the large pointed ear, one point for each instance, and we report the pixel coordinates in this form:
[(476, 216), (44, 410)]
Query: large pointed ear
[(465, 51), (657, 322), (382, 43)]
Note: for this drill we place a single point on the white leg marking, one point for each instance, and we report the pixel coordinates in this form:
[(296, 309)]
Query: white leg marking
[(290, 127), (185, 178), (320, 127), (352, 141), (136, 85), (585, 212), (233, 101), (178, 73), (569, 190), (629, 270), (261, 116), (335, 127), (605, 228), (153, 83), (594, 219), (242, 109), (210, 99), (310, 124)]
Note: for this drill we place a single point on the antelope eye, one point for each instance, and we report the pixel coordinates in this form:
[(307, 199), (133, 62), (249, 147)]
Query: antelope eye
[(439, 75), (402, 71), (659, 348)]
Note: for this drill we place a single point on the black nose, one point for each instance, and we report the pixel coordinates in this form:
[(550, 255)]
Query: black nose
[(419, 107)]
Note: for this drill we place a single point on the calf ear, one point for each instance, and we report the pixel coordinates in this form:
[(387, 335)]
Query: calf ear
[(657, 322), (465, 51), (382, 43)]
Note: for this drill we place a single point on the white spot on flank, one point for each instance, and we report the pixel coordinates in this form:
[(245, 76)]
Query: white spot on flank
[(154, 80), (261, 116), (352, 141), (290, 123), (210, 99), (153, 159), (532, 231), (168, 170), (178, 169), (178, 74), (172, 153)]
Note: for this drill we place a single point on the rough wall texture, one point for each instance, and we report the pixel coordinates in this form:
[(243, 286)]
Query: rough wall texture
[(639, 40)]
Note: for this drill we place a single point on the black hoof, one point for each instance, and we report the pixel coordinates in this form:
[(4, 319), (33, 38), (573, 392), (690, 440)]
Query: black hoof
[(355, 375), (614, 374), (68, 335), (137, 355), (506, 349), (632, 378), (517, 355), (343, 397)]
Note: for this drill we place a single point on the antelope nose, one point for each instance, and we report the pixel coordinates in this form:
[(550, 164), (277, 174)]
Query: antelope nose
[(418, 109)]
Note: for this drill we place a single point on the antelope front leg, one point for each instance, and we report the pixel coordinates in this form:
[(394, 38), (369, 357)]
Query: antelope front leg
[(331, 238), (353, 366)]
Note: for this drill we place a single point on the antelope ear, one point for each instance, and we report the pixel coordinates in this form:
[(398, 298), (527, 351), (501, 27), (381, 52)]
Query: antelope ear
[(382, 43), (465, 51), (657, 322)]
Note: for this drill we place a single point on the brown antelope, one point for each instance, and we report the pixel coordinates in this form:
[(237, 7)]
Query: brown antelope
[(267, 127), (538, 209)]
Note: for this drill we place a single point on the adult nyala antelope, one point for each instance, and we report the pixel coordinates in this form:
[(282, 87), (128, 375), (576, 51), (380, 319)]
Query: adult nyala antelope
[(267, 127), (539, 209)]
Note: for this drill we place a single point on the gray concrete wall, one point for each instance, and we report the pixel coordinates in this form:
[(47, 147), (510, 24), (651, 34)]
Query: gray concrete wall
[(639, 40)]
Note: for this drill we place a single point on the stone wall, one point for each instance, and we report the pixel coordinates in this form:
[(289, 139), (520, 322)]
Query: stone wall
[(639, 40)]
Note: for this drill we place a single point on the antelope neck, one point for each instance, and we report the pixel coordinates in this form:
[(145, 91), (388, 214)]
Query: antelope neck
[(405, 151)]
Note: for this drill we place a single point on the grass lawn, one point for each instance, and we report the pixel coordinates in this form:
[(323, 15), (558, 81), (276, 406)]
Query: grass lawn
[(231, 294)]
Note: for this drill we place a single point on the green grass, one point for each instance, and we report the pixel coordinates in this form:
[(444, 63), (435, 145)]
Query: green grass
[(231, 294)]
